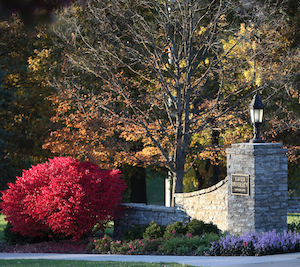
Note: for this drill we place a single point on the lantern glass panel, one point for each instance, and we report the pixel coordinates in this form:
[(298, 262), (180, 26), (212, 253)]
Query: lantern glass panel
[(261, 113), (256, 115), (252, 115)]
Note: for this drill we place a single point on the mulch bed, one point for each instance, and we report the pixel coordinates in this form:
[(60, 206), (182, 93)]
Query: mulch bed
[(65, 246)]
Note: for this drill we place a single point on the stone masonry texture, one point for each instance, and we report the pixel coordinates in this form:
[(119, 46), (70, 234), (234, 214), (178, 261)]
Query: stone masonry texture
[(142, 214), (208, 205), (265, 208)]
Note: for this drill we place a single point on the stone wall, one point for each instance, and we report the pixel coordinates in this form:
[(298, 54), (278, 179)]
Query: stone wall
[(208, 205), (262, 207), (135, 213), (265, 207)]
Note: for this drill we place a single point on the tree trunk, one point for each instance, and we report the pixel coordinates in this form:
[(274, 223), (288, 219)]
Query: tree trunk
[(135, 178), (178, 174), (216, 172), (177, 184)]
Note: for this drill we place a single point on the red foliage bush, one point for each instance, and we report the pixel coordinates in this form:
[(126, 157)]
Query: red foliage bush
[(64, 197)]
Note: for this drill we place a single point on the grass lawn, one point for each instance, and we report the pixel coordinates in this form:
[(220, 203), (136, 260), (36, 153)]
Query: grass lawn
[(63, 263), (293, 218), (2, 226), (110, 229)]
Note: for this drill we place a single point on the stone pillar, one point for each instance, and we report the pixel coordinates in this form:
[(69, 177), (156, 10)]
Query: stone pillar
[(168, 190), (257, 187)]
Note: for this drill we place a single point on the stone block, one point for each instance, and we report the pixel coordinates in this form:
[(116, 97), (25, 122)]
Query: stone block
[(268, 184)]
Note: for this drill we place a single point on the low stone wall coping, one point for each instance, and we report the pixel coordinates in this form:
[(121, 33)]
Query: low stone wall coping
[(141, 206), (202, 191)]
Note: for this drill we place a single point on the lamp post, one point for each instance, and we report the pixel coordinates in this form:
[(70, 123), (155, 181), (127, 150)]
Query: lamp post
[(256, 108), (215, 143)]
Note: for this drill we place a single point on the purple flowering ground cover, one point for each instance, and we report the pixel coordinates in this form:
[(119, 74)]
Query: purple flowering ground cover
[(253, 243)]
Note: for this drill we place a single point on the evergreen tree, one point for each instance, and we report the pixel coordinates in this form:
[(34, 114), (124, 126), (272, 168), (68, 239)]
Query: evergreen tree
[(7, 171), (25, 110)]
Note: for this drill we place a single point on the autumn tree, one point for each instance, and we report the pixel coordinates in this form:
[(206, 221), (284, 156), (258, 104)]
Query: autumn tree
[(162, 71), (79, 131), (289, 132), (271, 67), (268, 60)]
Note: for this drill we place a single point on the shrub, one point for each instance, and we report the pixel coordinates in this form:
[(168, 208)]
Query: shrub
[(294, 227), (103, 244), (196, 227), (117, 247), (175, 229), (135, 232), (140, 246), (253, 243), (211, 228), (133, 247), (12, 238), (154, 231), (206, 241), (187, 244), (62, 196)]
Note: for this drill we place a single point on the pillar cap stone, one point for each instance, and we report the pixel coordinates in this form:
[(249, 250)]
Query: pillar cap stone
[(253, 148)]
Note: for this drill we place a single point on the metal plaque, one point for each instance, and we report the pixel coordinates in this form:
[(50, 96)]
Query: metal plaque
[(240, 184)]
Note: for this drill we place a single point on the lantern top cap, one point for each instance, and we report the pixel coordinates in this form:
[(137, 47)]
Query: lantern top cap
[(256, 102)]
